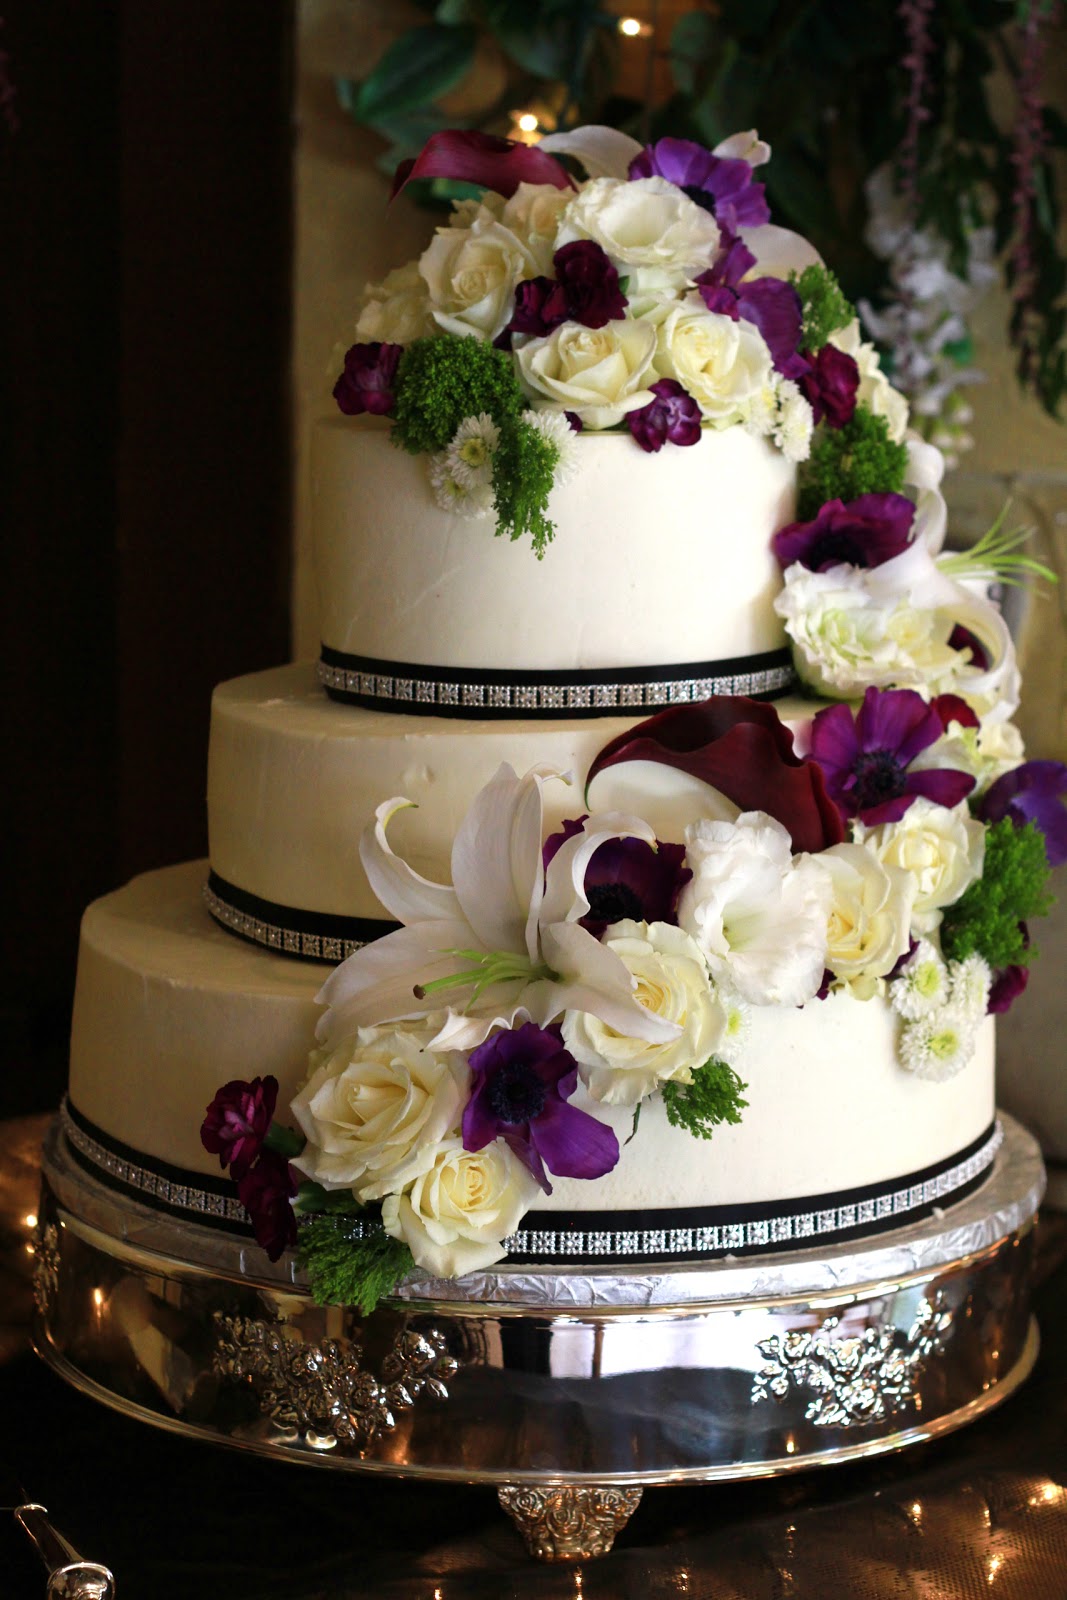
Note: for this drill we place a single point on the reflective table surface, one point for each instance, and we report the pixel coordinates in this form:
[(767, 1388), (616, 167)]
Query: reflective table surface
[(983, 1512)]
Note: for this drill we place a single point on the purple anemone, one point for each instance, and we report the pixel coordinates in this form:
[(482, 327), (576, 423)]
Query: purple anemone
[(864, 532), (267, 1192), (769, 304), (1032, 792), (866, 761), (627, 879), (720, 184), (367, 383), (237, 1122), (673, 417), (521, 1082), (830, 382)]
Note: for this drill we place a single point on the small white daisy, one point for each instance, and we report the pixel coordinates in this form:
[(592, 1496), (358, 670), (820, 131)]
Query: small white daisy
[(761, 411), (969, 983), (922, 986), (556, 430), (938, 1045), (470, 455), (455, 497), (796, 422), (738, 1026)]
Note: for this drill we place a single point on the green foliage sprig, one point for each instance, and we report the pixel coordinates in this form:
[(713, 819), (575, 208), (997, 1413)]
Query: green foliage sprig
[(523, 473), (713, 1097), (440, 382), (1013, 887), (859, 458), (824, 305), (346, 1268)]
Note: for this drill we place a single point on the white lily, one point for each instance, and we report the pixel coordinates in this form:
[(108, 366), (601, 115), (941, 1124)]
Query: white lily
[(925, 469), (502, 940), (603, 152)]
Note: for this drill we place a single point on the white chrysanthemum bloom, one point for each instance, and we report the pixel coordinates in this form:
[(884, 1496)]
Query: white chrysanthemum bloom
[(943, 849), (738, 1030), (724, 365), (600, 373), (557, 431), (470, 455), (938, 1045), (986, 752), (870, 915), (796, 422), (672, 983), (375, 1106), (471, 274), (970, 981), (397, 310), (643, 222), (761, 411), (455, 1216), (922, 985), (875, 390), (455, 497), (758, 913)]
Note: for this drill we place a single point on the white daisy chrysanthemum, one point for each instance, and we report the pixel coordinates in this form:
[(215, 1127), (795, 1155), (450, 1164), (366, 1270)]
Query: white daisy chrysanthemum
[(969, 983), (556, 430), (938, 1045), (470, 455), (796, 422), (922, 985), (455, 497), (738, 1025), (761, 411)]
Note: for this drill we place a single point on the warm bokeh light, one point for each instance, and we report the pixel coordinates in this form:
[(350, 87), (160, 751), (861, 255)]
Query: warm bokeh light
[(30, 1219), (630, 26), (527, 121)]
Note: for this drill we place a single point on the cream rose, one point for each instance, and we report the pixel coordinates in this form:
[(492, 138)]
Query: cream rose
[(397, 310), (646, 222), (724, 365), (471, 275), (374, 1108), (875, 390), (455, 1216), (533, 214), (601, 373), (942, 848), (986, 752), (870, 917), (672, 983)]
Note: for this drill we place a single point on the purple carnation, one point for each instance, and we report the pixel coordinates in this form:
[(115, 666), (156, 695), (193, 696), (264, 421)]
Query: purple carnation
[(830, 382), (267, 1192), (864, 532), (1032, 792), (720, 184), (867, 761), (237, 1122), (540, 306), (627, 879), (367, 382), (672, 417), (521, 1081), (590, 284), (1008, 984)]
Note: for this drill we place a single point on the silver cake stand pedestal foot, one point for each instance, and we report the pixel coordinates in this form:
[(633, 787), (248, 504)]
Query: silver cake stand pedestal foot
[(570, 1391)]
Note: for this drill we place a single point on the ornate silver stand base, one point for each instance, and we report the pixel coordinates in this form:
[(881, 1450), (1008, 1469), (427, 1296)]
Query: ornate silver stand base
[(568, 1391)]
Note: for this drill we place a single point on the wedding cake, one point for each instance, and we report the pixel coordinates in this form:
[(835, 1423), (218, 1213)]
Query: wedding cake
[(635, 875)]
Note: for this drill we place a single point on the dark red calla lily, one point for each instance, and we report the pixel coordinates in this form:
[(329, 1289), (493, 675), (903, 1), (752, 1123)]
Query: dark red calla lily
[(470, 156)]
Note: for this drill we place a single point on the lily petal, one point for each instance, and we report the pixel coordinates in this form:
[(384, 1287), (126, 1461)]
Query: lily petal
[(603, 152), (565, 899), (747, 146), (778, 251), (496, 861), (377, 983), (592, 978), (401, 890)]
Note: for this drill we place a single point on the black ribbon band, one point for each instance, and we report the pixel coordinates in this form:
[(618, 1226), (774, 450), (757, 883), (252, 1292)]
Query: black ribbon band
[(485, 693), (308, 935)]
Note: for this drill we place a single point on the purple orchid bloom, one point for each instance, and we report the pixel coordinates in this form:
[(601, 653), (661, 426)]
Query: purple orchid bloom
[(864, 532), (267, 1192), (1033, 792), (626, 879), (772, 305), (673, 417), (830, 385), (521, 1082), (237, 1122), (720, 184), (866, 762), (367, 383)]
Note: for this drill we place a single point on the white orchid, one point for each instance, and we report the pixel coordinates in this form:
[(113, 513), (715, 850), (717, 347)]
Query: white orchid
[(501, 942)]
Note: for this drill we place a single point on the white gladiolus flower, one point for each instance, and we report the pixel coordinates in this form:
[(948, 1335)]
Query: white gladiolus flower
[(470, 455), (671, 982), (758, 913), (870, 915), (556, 430), (455, 1216), (922, 985), (397, 310), (599, 373), (937, 1045), (644, 222), (941, 847), (724, 365), (460, 500)]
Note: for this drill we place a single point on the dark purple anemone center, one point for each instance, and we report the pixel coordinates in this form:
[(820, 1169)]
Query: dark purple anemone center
[(614, 902), (699, 196), (516, 1093), (837, 545), (877, 776)]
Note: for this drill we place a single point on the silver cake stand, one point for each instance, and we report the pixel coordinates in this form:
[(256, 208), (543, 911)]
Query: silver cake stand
[(568, 1391)]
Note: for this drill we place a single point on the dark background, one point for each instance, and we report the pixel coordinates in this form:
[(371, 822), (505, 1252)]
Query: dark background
[(145, 231)]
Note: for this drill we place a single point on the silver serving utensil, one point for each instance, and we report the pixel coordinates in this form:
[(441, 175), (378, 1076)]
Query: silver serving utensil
[(70, 1576)]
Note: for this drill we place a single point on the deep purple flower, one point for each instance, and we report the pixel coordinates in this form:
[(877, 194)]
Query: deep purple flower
[(830, 382), (867, 761), (237, 1122), (367, 382), (720, 184), (772, 305), (521, 1082), (1032, 792), (590, 284), (267, 1192), (962, 638), (1008, 984), (672, 417), (626, 878), (469, 156), (953, 708), (540, 306), (864, 532)]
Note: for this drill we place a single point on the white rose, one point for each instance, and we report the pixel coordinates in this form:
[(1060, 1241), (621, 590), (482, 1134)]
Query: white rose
[(758, 914), (533, 213), (601, 373), (942, 848), (672, 982), (724, 365), (471, 275), (647, 222), (397, 310), (456, 1215), (374, 1108), (870, 917), (875, 390)]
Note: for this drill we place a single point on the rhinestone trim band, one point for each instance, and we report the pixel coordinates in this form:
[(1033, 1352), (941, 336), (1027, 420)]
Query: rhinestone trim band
[(271, 926), (201, 1204)]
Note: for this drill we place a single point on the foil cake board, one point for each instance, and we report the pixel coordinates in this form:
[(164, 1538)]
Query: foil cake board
[(568, 1391)]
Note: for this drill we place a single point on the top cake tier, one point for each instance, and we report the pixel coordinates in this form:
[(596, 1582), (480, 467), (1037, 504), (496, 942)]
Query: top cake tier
[(656, 561)]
